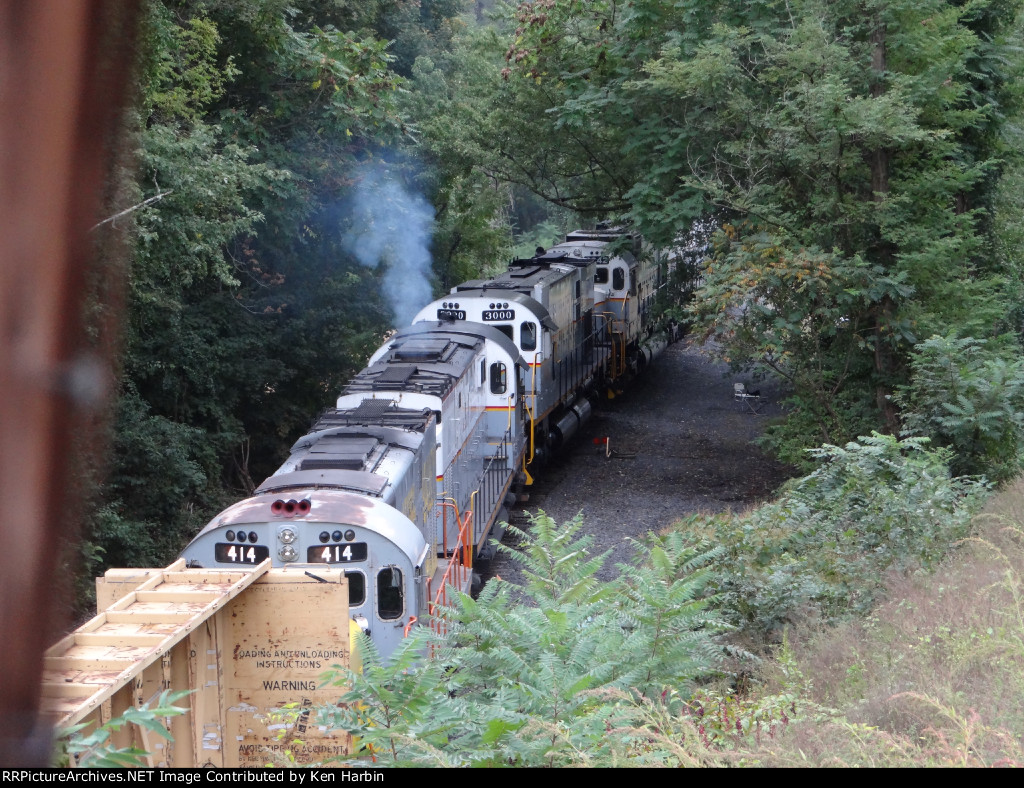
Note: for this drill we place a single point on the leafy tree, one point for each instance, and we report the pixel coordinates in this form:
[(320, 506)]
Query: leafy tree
[(806, 314), (846, 133), (864, 132), (448, 98), (966, 395)]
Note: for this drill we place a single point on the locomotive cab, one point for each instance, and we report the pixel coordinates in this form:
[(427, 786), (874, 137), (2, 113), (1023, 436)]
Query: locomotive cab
[(385, 558), (545, 305)]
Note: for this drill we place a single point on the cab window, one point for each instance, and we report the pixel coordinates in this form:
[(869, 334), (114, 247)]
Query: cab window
[(619, 279), (601, 275), (390, 596), (528, 336), (356, 588), (506, 329), (499, 375)]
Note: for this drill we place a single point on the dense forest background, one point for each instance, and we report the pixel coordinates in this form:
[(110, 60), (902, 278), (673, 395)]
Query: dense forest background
[(850, 168), (850, 174)]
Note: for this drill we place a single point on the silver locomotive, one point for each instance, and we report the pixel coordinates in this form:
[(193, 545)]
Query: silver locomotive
[(409, 478)]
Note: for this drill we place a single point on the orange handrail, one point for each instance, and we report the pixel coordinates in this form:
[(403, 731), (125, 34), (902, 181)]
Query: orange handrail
[(459, 569), (467, 544), (446, 504)]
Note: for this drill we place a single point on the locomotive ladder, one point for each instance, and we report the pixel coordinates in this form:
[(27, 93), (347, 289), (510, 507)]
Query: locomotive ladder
[(87, 667)]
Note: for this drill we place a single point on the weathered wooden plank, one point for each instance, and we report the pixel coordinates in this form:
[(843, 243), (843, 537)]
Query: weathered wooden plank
[(159, 629), (131, 639), (179, 593), (69, 690), (150, 616), (88, 663)]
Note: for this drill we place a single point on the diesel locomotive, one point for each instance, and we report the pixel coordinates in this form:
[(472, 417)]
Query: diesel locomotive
[(410, 477)]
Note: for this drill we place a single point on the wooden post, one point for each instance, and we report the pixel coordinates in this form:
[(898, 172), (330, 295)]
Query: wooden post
[(61, 87)]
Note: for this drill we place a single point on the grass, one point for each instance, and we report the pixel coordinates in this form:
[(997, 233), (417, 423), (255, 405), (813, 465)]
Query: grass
[(933, 677)]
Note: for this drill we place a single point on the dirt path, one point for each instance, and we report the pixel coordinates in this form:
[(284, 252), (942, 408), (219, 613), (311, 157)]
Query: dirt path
[(679, 445)]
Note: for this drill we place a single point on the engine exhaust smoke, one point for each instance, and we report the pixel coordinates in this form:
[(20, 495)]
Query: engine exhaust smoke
[(392, 226)]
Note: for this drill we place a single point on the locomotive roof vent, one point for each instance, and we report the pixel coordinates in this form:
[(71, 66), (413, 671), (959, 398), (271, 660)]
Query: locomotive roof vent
[(523, 273), (425, 350), (348, 453), (394, 377), (372, 408)]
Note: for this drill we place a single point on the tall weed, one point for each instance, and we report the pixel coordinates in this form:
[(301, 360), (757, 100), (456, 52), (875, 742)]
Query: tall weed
[(932, 677)]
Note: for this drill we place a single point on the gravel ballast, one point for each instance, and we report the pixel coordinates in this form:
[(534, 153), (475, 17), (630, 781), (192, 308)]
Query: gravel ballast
[(679, 443)]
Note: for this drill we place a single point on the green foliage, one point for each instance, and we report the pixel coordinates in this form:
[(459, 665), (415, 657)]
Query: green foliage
[(557, 562), (567, 671), (664, 600), (209, 186), (94, 749), (805, 315), (390, 705), (448, 97), (853, 161), (559, 124), (547, 233), (822, 549), (182, 75), (564, 671), (533, 667), (160, 469), (966, 395), (323, 87), (864, 135)]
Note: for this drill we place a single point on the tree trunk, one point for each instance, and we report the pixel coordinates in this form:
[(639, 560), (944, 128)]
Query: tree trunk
[(885, 361)]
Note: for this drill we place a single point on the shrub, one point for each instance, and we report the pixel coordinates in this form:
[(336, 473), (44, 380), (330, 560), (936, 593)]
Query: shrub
[(824, 545), (966, 396), (95, 750), (570, 671)]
